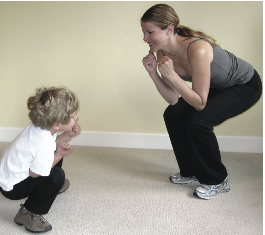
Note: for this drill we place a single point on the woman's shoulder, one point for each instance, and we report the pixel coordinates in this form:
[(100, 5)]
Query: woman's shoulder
[(197, 44), (197, 47)]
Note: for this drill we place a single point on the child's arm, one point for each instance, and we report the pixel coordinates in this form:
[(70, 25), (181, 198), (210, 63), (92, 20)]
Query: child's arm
[(32, 174), (62, 150), (66, 136)]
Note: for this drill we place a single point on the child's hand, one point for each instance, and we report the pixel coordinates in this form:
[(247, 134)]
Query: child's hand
[(75, 130), (63, 149)]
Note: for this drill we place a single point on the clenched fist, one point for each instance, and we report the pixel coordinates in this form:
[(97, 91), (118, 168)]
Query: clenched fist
[(150, 63)]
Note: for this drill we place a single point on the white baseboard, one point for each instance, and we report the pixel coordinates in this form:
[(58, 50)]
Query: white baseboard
[(245, 144)]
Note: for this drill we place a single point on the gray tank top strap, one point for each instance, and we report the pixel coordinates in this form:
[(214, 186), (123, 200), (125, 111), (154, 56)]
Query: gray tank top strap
[(191, 43)]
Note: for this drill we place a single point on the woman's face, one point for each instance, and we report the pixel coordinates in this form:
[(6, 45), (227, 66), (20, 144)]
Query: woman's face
[(153, 35)]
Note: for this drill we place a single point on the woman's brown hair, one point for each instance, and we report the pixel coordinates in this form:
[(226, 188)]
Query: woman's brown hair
[(163, 15)]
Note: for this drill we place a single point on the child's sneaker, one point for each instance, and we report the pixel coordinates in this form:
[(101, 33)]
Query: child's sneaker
[(211, 191), (32, 222), (65, 186), (178, 179)]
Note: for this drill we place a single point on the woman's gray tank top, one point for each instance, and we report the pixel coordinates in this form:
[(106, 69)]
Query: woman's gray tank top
[(226, 69)]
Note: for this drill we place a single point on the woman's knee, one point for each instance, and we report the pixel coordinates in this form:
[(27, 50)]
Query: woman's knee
[(167, 112), (174, 111)]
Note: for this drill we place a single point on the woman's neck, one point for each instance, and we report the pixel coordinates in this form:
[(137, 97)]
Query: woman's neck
[(176, 46)]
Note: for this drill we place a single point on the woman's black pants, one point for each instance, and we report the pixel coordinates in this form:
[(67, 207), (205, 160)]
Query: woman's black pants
[(41, 191), (191, 131)]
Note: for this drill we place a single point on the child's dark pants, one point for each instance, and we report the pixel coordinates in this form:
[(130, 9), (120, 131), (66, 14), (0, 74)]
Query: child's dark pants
[(41, 191)]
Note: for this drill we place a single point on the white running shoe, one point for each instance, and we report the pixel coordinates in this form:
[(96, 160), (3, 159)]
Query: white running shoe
[(178, 179), (211, 191)]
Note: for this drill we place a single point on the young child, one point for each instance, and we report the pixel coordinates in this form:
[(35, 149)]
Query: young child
[(31, 164)]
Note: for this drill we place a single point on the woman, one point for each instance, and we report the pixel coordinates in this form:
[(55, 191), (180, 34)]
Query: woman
[(223, 86)]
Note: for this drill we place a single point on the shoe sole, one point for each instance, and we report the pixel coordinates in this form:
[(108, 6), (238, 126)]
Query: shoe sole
[(209, 198), (43, 231), (188, 182), (65, 188)]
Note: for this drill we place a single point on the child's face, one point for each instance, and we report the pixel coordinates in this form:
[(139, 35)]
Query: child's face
[(69, 126)]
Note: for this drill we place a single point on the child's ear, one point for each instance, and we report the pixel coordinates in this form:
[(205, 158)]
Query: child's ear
[(55, 126)]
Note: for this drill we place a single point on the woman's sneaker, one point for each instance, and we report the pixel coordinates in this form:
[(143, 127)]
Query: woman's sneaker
[(32, 222), (211, 191), (178, 179)]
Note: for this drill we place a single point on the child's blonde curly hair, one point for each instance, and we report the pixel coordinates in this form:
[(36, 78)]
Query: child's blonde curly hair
[(51, 105)]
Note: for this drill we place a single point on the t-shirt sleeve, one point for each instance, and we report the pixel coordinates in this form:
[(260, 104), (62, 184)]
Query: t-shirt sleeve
[(42, 162)]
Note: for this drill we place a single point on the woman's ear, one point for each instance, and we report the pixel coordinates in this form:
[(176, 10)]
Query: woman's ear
[(170, 29)]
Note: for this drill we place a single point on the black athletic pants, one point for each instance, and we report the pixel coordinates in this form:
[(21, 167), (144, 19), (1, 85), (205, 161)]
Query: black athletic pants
[(41, 191), (191, 131)]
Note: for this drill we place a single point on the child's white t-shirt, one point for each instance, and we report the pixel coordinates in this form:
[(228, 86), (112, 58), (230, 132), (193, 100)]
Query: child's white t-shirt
[(32, 149)]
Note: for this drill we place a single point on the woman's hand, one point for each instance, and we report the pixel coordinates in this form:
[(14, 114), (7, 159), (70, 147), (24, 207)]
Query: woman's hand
[(150, 63), (166, 68)]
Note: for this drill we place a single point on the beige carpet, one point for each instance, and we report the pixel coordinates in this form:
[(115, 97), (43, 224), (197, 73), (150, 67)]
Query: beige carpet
[(127, 192)]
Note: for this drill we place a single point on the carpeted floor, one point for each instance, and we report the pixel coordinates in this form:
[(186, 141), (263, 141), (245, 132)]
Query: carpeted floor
[(115, 191)]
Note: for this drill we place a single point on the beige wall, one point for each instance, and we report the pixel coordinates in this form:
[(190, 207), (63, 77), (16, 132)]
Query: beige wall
[(96, 49)]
